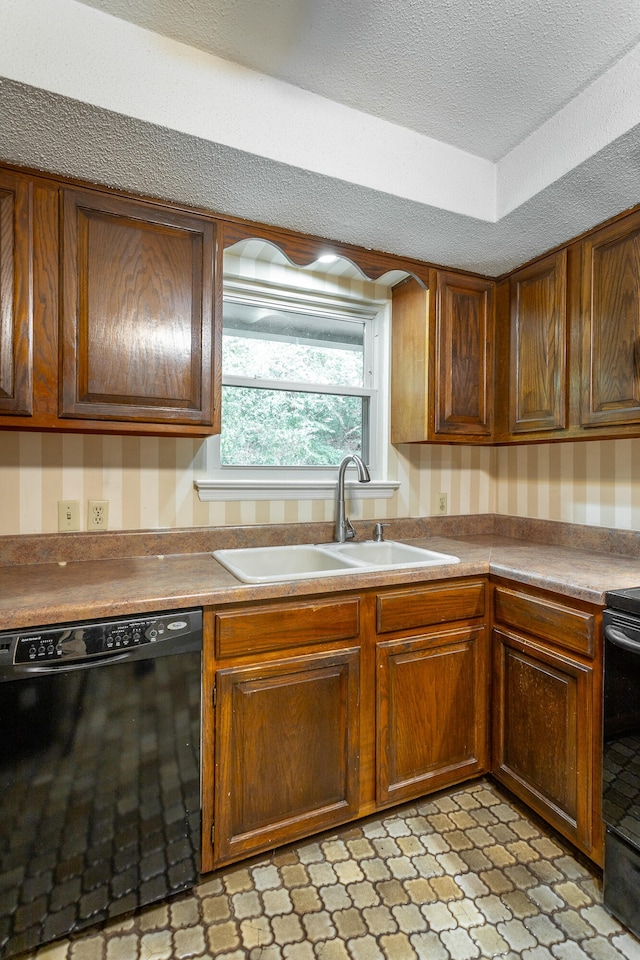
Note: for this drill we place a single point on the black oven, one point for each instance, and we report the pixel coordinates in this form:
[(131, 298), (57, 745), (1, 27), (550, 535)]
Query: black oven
[(621, 756)]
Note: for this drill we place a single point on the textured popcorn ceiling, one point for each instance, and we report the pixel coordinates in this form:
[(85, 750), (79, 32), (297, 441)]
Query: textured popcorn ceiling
[(474, 133), (478, 74)]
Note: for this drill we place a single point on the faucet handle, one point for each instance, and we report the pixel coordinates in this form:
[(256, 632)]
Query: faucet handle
[(378, 532), (349, 532)]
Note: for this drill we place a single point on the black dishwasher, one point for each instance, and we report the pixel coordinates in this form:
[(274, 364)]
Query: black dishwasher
[(99, 771)]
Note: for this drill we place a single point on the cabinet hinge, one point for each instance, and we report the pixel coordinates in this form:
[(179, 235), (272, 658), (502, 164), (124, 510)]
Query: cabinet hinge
[(214, 696), (212, 834)]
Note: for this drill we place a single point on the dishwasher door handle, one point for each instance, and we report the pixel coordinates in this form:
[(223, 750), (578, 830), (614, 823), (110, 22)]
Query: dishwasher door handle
[(19, 670), (620, 639)]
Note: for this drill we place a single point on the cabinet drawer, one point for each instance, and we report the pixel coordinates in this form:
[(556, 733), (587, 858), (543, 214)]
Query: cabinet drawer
[(410, 609), (278, 626), (565, 626)]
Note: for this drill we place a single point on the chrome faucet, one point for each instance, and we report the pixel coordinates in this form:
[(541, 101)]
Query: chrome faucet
[(343, 529)]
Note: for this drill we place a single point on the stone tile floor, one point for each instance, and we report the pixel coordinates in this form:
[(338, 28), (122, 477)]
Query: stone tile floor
[(462, 874)]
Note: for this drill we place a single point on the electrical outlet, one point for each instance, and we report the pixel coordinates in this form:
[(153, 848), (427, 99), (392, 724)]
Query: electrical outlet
[(98, 515), (441, 504), (68, 514)]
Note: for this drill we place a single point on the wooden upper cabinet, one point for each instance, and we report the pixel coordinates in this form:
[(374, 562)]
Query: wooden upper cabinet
[(411, 332), (538, 346), (464, 356), (442, 360), (610, 317), (137, 311), (16, 301)]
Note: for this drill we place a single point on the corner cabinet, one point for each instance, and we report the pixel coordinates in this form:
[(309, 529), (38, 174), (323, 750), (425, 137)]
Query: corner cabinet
[(547, 711), (321, 710), (442, 359), (137, 311)]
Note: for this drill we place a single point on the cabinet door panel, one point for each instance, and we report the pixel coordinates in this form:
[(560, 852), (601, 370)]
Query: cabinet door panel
[(464, 339), (287, 736), (538, 388), (431, 705), (16, 304), (611, 325), (137, 311), (543, 733)]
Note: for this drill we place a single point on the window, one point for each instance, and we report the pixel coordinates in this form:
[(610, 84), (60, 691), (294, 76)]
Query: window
[(304, 383), (297, 385)]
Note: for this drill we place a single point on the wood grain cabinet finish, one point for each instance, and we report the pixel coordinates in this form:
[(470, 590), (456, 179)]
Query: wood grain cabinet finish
[(16, 304), (137, 311), (432, 701), (412, 331), (287, 750), (538, 388), (442, 360), (279, 626), (463, 401), (423, 606), (543, 733), (551, 620), (610, 318)]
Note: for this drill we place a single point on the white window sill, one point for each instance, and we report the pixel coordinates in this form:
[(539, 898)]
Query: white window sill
[(293, 489)]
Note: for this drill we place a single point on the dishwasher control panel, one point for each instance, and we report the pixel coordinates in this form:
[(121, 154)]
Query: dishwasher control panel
[(97, 638)]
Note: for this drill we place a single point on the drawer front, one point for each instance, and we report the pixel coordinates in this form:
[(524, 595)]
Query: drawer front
[(562, 625), (283, 625), (424, 606)]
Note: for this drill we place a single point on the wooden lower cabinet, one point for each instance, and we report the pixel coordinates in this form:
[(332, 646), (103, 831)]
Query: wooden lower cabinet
[(432, 700), (318, 711), (287, 737), (543, 732), (547, 712)]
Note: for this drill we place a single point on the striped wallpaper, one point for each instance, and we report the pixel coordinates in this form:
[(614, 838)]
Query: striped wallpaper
[(594, 482), (149, 483)]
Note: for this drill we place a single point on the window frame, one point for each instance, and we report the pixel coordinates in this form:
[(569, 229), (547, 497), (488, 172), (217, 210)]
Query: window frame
[(226, 482)]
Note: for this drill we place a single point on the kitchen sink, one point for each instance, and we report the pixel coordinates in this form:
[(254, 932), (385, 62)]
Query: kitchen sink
[(301, 561), (295, 562), (389, 553)]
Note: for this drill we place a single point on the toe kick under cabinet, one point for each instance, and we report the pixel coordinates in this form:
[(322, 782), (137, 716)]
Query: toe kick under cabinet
[(320, 710)]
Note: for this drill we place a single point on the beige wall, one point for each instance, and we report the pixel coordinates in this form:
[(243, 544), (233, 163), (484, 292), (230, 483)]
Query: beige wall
[(595, 482), (149, 483)]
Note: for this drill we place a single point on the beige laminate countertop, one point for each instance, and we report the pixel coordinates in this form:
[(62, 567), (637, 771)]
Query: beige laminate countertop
[(42, 593)]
